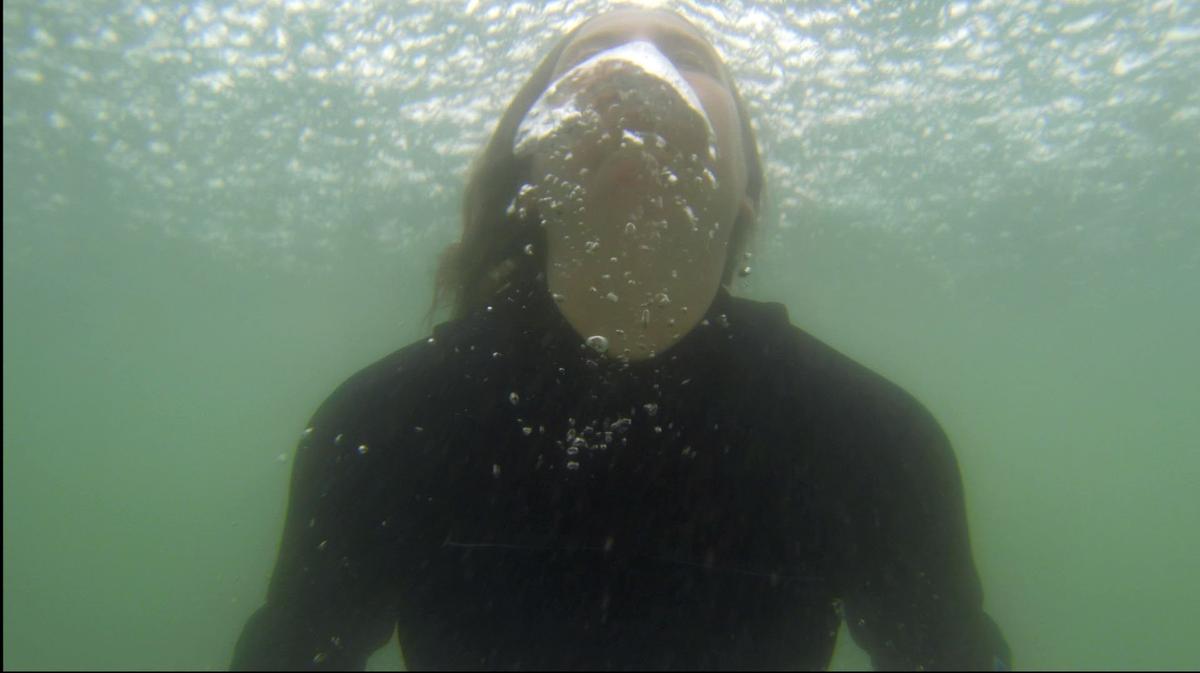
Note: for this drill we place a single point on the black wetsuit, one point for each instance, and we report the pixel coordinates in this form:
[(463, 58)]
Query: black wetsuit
[(506, 497)]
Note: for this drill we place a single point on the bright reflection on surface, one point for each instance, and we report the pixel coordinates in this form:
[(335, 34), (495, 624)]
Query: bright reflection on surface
[(289, 119)]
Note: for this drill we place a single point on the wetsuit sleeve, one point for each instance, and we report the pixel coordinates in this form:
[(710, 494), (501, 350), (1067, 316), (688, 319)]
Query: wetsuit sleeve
[(328, 604), (911, 595)]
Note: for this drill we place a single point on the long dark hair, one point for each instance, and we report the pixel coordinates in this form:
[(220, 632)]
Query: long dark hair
[(492, 250)]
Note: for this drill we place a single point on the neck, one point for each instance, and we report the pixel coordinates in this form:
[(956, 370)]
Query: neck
[(639, 323)]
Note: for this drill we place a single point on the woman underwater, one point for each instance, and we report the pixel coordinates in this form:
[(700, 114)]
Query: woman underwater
[(605, 460)]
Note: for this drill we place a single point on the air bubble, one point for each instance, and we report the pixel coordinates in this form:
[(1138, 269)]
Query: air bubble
[(598, 343)]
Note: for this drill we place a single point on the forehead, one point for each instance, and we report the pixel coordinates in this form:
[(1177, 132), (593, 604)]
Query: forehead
[(640, 23)]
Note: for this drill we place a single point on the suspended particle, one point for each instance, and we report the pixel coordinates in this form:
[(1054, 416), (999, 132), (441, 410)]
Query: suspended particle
[(572, 465), (611, 296), (495, 470), (744, 272), (529, 249), (527, 430)]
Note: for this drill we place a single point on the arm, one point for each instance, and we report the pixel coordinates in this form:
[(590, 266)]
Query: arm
[(911, 595), (329, 600)]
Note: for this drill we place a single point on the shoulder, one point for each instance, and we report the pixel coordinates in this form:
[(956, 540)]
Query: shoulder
[(822, 383), (397, 381)]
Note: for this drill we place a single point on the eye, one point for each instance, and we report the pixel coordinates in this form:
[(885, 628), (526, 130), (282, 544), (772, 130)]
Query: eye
[(578, 55), (687, 59)]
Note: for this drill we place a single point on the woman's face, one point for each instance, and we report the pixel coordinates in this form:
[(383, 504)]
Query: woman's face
[(640, 195)]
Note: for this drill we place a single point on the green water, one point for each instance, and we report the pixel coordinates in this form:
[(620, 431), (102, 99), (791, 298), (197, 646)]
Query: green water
[(214, 214)]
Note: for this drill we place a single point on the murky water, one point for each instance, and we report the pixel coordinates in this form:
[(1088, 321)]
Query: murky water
[(214, 213)]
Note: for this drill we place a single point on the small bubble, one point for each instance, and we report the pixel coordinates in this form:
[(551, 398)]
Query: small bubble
[(323, 545), (417, 428), (591, 246), (318, 657), (429, 340), (651, 408), (514, 398), (308, 431), (495, 470), (630, 228), (527, 430), (645, 317), (529, 249), (611, 296), (744, 272), (598, 343), (362, 449), (572, 465)]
